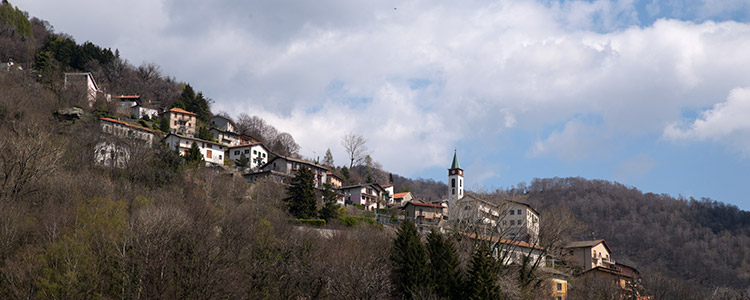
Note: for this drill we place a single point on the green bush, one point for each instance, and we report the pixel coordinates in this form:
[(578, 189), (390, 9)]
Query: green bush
[(312, 222), (352, 221)]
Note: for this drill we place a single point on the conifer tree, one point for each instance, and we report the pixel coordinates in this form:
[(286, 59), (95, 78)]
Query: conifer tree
[(410, 261), (328, 158), (242, 162), (445, 275), (301, 195), (483, 275), (330, 209), (194, 156)]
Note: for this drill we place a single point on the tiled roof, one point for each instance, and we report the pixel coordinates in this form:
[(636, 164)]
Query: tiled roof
[(386, 185), (399, 195), (423, 204), (127, 124), (181, 111), (583, 244), (505, 241), (246, 145)]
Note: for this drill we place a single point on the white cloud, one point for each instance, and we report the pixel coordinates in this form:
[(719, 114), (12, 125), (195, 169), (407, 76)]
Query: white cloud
[(485, 68), (576, 141), (727, 122)]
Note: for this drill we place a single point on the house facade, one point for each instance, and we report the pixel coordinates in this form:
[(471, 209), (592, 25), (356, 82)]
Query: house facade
[(119, 140), (213, 153), (222, 123), (426, 216), (289, 166), (334, 181), (256, 153), (388, 194), (589, 254), (402, 198), (181, 121), (228, 138), (369, 195), (84, 81)]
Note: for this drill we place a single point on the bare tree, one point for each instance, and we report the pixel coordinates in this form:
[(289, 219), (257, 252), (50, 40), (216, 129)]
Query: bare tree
[(356, 148)]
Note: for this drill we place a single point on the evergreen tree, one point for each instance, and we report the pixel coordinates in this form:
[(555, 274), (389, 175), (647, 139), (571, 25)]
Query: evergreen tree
[(194, 156), (164, 124), (482, 279), (242, 162), (410, 261), (301, 195), (345, 172), (330, 209), (205, 134), (328, 158), (445, 275), (194, 103), (390, 177)]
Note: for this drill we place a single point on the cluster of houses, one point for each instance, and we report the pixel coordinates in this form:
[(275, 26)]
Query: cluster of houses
[(512, 224)]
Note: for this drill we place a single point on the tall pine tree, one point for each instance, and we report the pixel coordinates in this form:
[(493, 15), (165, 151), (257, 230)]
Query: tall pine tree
[(330, 209), (301, 195), (409, 261), (483, 274), (445, 275)]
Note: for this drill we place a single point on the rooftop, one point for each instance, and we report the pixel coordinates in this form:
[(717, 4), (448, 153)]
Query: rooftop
[(181, 111), (126, 124)]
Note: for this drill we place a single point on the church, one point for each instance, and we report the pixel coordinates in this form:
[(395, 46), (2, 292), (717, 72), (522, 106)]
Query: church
[(514, 220)]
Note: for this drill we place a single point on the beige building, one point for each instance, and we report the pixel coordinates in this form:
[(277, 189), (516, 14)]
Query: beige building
[(181, 121), (426, 216), (589, 254), (402, 198)]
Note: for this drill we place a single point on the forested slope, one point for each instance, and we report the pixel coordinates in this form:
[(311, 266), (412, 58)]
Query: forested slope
[(703, 242)]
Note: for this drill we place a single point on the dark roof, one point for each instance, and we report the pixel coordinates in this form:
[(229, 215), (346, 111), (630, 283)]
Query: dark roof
[(585, 244), (423, 204), (504, 241), (363, 185), (296, 160), (193, 139)]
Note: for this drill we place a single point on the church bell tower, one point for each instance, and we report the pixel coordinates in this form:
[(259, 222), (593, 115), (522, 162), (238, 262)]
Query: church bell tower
[(455, 181)]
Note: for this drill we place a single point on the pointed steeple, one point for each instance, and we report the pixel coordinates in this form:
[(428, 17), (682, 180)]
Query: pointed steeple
[(455, 164)]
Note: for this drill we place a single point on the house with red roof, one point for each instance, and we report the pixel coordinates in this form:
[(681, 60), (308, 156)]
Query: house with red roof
[(119, 139), (181, 122), (426, 216), (402, 198)]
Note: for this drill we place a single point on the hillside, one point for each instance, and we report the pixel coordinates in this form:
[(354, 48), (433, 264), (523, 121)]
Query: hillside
[(703, 243)]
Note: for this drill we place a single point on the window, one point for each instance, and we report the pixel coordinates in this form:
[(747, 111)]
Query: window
[(512, 212), (247, 151), (208, 153), (453, 191), (559, 287), (453, 182), (559, 297), (460, 182), (519, 212), (512, 222), (255, 151), (264, 155), (237, 152)]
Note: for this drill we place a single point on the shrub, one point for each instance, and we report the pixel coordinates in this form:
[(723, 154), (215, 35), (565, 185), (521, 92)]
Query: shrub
[(352, 221), (312, 222)]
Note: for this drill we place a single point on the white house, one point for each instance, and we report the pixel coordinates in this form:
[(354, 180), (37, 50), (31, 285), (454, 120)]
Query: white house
[(86, 82), (388, 195), (290, 166), (369, 195), (213, 153), (140, 111), (223, 123), (515, 220), (119, 139), (257, 154)]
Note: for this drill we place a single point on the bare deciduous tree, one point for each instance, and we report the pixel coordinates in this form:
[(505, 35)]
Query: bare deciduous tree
[(356, 148)]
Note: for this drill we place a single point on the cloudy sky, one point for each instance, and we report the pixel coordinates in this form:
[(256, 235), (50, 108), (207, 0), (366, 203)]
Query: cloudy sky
[(652, 94)]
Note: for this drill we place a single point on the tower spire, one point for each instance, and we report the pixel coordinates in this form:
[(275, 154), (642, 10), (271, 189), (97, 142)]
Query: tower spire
[(455, 164)]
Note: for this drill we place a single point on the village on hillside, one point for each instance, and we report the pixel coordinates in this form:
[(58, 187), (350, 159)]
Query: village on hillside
[(512, 225)]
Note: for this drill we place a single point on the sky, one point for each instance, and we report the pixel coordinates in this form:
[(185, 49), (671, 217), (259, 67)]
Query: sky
[(651, 94)]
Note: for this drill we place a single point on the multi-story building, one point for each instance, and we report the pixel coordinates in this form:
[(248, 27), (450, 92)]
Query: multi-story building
[(370, 195), (426, 216), (181, 121), (283, 168), (223, 123), (119, 140), (401, 199), (256, 153), (213, 153), (334, 180), (515, 220)]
